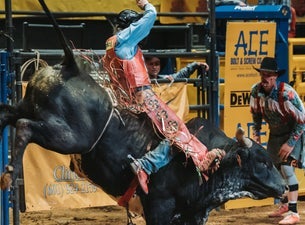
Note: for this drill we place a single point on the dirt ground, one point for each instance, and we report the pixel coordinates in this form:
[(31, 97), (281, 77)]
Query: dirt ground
[(113, 215)]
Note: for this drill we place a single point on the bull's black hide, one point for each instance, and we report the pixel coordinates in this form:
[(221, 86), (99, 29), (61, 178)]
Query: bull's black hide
[(66, 111), (244, 172)]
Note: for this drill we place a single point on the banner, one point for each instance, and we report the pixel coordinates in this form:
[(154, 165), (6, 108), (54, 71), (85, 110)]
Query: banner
[(77, 5), (175, 96), (49, 183), (246, 45), (183, 6)]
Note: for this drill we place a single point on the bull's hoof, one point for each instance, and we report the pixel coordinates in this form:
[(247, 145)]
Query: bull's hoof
[(6, 181)]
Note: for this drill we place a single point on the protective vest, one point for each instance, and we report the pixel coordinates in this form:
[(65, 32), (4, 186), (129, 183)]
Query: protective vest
[(128, 74)]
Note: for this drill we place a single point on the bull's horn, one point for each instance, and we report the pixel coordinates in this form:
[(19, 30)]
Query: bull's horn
[(240, 136), (239, 133), (248, 143)]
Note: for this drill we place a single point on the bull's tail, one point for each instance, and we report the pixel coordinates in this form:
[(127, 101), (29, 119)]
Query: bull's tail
[(69, 57)]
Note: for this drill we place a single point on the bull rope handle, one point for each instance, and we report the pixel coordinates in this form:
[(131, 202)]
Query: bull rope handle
[(37, 61)]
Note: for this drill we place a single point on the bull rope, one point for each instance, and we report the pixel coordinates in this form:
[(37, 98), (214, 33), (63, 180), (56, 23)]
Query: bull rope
[(38, 62), (103, 131), (108, 90)]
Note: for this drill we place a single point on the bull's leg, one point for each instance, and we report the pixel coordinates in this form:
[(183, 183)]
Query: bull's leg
[(53, 134), (158, 211), (162, 211)]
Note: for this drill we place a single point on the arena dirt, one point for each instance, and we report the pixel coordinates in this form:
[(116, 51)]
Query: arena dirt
[(113, 215)]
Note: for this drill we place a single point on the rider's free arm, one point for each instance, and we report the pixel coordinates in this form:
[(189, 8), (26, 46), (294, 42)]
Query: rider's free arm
[(129, 38)]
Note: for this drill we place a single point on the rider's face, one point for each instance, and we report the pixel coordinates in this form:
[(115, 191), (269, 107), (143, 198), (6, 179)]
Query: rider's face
[(153, 67)]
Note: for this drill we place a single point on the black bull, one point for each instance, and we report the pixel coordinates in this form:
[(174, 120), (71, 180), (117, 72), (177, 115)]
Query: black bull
[(66, 111)]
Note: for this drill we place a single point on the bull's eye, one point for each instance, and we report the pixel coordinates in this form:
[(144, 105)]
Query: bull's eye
[(259, 170)]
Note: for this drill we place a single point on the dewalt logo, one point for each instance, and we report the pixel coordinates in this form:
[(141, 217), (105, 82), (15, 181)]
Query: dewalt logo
[(240, 98)]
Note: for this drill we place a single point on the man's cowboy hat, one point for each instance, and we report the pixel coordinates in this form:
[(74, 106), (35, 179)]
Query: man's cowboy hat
[(269, 65)]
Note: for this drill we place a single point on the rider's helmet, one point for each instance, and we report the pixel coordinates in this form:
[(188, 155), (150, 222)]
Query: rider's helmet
[(127, 17)]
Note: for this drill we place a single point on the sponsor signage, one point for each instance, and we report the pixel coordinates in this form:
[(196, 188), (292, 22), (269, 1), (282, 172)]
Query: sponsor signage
[(247, 43), (240, 98), (49, 183)]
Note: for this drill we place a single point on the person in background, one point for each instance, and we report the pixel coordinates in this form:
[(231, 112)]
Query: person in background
[(280, 106), (125, 64), (175, 95), (153, 65)]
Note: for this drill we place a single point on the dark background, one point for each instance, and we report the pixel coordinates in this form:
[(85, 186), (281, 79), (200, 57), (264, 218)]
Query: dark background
[(92, 36), (95, 33)]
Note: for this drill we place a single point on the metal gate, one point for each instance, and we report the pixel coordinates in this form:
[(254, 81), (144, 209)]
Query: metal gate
[(4, 204)]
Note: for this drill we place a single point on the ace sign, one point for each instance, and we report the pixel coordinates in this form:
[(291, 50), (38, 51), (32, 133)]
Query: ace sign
[(247, 43)]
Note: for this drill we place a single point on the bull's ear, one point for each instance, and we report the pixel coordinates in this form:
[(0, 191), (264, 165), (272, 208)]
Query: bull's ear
[(242, 139), (238, 159), (241, 156)]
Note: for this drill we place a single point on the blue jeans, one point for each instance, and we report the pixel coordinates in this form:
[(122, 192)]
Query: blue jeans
[(153, 160)]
